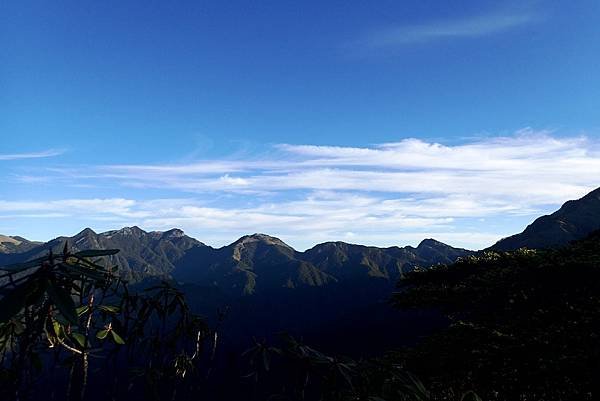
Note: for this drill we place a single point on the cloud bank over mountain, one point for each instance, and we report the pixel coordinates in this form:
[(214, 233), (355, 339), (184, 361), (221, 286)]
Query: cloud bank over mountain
[(382, 194)]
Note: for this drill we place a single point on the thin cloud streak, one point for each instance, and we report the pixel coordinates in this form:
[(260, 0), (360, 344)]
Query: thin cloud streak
[(322, 216), (468, 27), (31, 155)]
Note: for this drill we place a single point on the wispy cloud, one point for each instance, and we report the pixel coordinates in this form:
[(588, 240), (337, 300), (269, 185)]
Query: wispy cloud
[(31, 155), (321, 216), (407, 189), (527, 169), (466, 27)]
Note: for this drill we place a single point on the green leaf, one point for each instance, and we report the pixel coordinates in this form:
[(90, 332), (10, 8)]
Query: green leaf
[(91, 253), (58, 330), (101, 335), (79, 338), (78, 270), (61, 320), (63, 301), (109, 308), (117, 338), (81, 310)]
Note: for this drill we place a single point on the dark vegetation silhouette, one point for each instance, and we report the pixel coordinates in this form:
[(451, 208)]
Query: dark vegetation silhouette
[(71, 329), (69, 325), (523, 325)]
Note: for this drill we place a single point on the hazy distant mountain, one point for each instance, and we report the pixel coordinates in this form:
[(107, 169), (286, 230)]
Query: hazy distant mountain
[(349, 261), (142, 253), (14, 244), (574, 220), (251, 264), (258, 262)]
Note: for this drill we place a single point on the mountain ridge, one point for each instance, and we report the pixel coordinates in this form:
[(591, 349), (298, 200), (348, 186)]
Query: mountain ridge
[(574, 220), (258, 261), (141, 253), (255, 262), (15, 244)]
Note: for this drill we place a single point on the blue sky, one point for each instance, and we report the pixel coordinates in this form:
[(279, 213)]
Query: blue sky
[(373, 122)]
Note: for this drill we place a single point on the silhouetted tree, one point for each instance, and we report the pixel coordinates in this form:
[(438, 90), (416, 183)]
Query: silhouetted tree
[(71, 311)]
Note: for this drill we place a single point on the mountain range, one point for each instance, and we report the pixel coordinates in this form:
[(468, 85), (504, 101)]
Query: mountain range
[(253, 263), (142, 254), (267, 286), (320, 294), (260, 262)]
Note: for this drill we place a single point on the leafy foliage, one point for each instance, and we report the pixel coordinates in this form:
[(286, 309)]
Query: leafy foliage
[(296, 371), (524, 323), (69, 310)]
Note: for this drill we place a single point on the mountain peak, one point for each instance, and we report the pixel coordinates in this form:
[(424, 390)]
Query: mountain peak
[(430, 242), (173, 233), (259, 237), (85, 232), (134, 230)]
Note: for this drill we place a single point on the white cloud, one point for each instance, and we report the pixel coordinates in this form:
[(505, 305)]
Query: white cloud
[(320, 217), (466, 27), (31, 155), (527, 169), (390, 192)]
